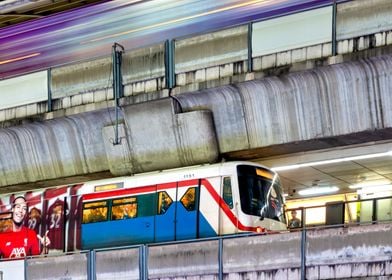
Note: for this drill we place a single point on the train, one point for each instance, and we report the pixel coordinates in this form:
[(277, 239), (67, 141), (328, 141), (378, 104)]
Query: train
[(179, 204)]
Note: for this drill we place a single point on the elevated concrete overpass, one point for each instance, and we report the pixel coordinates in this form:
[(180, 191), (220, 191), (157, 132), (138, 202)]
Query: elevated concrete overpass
[(302, 98)]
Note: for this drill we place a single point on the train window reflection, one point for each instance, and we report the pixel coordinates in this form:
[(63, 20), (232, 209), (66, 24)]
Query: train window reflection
[(164, 202), (227, 192), (95, 212), (124, 208), (188, 199)]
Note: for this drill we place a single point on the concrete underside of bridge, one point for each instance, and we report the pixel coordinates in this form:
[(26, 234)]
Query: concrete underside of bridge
[(324, 107)]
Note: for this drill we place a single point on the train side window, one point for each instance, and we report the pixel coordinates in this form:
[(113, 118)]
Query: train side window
[(227, 192), (95, 212), (164, 202), (124, 208), (189, 199)]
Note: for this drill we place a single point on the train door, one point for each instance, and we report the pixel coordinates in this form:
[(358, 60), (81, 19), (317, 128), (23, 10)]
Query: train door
[(228, 222), (187, 209), (165, 218), (209, 207)]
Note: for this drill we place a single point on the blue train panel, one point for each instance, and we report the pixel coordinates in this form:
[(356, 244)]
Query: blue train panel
[(157, 228), (118, 233), (165, 225), (205, 229), (186, 223)]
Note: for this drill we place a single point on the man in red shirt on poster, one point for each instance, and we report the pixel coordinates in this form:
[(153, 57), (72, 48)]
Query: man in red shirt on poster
[(21, 241)]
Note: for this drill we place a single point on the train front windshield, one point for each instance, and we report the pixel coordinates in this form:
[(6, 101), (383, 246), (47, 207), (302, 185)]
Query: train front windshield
[(260, 192)]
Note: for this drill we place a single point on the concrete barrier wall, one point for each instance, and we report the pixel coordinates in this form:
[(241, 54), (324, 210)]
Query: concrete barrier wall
[(262, 253), (117, 264), (143, 70), (367, 243), (214, 59), (61, 267), (12, 270), (292, 32), (183, 260), (356, 252), (359, 18), (24, 90), (90, 76), (360, 252), (95, 78), (211, 49)]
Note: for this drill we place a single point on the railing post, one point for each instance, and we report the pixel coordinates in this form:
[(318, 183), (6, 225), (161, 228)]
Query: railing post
[(91, 271), (374, 211), (220, 258), (303, 244), (49, 86), (303, 253), (250, 50), (117, 84), (334, 12), (143, 262), (25, 270), (170, 75)]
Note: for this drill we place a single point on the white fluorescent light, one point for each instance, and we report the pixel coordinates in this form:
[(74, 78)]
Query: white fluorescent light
[(375, 189), (329, 161), (369, 184), (318, 190)]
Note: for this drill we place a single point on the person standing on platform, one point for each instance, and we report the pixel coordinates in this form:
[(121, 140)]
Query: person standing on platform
[(294, 222)]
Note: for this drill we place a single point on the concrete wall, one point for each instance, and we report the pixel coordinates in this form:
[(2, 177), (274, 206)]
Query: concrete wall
[(219, 58), (61, 267), (211, 49), (24, 90), (364, 251), (247, 112), (121, 264), (153, 136), (359, 18), (292, 32), (328, 101), (339, 253)]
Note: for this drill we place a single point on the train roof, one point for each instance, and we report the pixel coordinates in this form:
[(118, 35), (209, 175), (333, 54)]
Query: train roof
[(174, 175), (164, 176)]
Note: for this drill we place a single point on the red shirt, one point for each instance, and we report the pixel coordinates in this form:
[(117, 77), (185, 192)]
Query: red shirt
[(18, 244), (55, 224)]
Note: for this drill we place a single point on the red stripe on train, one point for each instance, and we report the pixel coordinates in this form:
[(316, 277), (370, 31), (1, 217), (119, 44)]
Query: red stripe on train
[(225, 207)]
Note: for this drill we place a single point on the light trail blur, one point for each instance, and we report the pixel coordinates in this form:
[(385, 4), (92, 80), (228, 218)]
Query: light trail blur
[(89, 32)]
